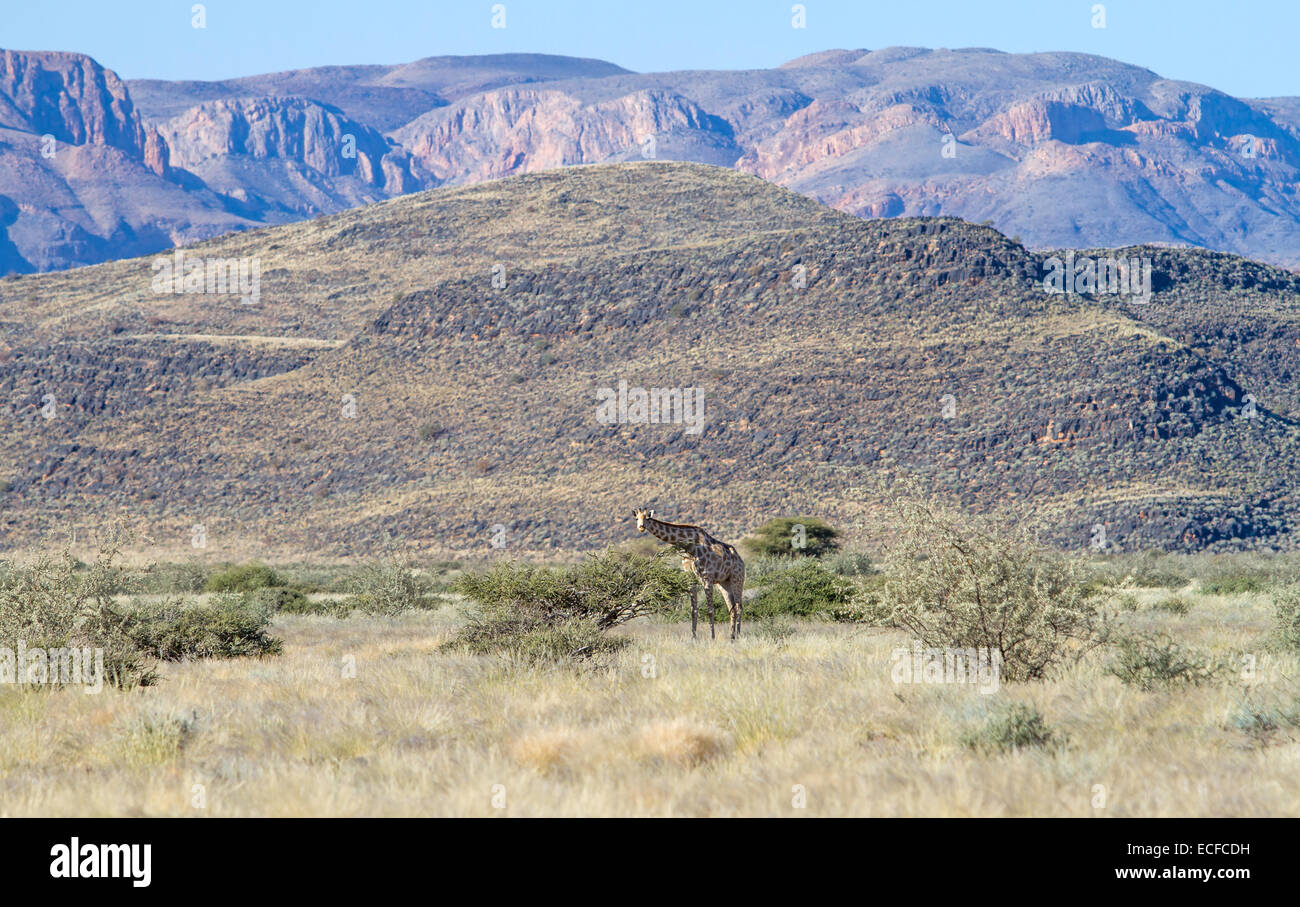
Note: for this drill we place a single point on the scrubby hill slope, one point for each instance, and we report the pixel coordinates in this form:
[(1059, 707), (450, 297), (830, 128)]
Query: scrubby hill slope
[(425, 369)]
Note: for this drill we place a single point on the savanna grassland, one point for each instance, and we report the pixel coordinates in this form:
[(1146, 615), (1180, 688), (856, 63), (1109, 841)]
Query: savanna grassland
[(376, 714)]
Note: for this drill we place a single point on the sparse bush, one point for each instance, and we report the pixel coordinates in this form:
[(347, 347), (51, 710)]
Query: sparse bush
[(868, 605), (1154, 662), (388, 587), (243, 578), (1263, 721), (774, 628), (1286, 616), (950, 582), (156, 737), (781, 537), (850, 563), (548, 644), (1149, 573), (539, 614), (51, 602), (1014, 726), (226, 627)]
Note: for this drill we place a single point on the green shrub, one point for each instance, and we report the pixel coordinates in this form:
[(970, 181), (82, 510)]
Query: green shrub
[(541, 614), (952, 582), (226, 627), (1155, 578), (281, 599), (1240, 583), (782, 537), (1014, 726), (868, 605), (806, 589), (243, 578), (540, 644), (1174, 605), (1155, 662), (184, 578)]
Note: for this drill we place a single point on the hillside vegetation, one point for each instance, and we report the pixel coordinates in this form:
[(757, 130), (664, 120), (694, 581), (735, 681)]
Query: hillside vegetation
[(385, 391)]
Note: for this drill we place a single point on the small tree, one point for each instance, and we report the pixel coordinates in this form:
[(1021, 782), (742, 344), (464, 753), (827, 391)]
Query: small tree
[(544, 614), (793, 536)]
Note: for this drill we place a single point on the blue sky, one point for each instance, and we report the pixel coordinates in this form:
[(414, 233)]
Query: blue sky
[(1246, 48)]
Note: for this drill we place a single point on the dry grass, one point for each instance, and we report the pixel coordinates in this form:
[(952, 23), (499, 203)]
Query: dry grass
[(671, 728)]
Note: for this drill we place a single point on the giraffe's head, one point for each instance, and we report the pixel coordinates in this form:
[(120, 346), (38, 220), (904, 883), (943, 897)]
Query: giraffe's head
[(641, 517)]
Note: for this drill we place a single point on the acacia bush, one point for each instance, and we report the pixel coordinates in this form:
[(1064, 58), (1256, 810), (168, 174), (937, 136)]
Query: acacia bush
[(542, 614), (387, 587), (778, 538), (281, 599), (950, 581), (1238, 582), (228, 626), (186, 577), (57, 602)]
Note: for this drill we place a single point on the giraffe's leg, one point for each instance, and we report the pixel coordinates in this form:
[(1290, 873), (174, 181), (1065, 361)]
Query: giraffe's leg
[(738, 594), (694, 608), (708, 594), (733, 610)]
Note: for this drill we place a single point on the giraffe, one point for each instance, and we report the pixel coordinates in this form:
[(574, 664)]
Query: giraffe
[(709, 560)]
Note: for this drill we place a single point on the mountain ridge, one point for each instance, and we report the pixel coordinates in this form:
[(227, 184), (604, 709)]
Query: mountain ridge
[(1061, 149)]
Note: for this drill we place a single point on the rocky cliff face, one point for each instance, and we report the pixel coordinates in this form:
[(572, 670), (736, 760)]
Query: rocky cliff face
[(319, 137), (1057, 149), (518, 130), (74, 99)]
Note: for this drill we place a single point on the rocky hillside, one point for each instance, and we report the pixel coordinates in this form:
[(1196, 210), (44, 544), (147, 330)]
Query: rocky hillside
[(422, 370), (1056, 149)]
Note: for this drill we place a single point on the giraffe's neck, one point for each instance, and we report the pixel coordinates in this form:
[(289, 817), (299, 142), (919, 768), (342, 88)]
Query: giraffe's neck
[(687, 538)]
